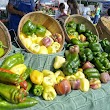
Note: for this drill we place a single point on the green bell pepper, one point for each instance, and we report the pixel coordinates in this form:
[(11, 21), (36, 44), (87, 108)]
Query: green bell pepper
[(12, 60), (86, 55), (72, 64), (38, 90), (72, 25), (29, 28), (70, 31), (40, 30), (95, 47), (81, 28)]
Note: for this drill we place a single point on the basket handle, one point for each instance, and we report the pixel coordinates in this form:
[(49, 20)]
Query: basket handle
[(100, 30)]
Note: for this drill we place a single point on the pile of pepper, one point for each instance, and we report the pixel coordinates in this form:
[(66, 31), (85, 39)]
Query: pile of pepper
[(14, 83), (40, 40)]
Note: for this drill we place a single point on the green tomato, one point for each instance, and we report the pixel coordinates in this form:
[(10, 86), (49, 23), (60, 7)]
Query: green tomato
[(2, 52)]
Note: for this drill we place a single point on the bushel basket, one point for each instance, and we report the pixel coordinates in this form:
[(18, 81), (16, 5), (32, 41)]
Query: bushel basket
[(80, 19), (5, 38), (39, 18)]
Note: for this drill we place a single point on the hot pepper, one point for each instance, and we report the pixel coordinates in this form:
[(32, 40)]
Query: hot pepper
[(75, 41), (6, 77), (102, 64), (49, 93), (91, 73), (9, 106), (38, 90), (12, 94), (13, 60), (29, 28)]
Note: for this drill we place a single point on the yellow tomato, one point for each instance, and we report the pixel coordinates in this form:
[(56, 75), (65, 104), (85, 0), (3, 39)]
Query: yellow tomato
[(36, 77), (43, 50)]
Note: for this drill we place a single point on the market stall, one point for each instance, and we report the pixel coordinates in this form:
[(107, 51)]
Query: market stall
[(42, 70)]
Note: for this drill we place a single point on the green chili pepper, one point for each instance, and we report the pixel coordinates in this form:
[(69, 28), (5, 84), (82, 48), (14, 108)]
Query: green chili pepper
[(26, 74), (29, 28), (10, 78), (38, 90), (12, 93), (28, 102), (91, 73), (13, 60), (79, 43)]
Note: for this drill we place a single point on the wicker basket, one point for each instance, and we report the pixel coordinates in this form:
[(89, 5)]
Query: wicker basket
[(80, 19), (40, 18), (103, 28), (5, 38)]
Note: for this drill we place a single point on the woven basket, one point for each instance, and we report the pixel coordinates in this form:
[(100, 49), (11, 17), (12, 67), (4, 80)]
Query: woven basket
[(80, 19), (103, 28), (5, 38), (40, 18)]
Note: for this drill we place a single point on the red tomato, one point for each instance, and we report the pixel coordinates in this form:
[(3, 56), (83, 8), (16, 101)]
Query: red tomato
[(5, 70), (23, 85), (63, 87)]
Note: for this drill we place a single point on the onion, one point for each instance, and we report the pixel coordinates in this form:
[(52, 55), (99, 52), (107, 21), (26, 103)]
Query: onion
[(87, 65), (105, 77), (75, 84), (46, 41), (74, 48)]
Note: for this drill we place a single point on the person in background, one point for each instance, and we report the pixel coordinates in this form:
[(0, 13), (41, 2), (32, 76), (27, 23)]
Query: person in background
[(108, 12), (66, 6), (73, 7), (97, 14), (60, 12), (17, 9), (86, 12)]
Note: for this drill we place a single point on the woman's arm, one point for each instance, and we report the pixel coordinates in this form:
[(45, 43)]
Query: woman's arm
[(11, 9)]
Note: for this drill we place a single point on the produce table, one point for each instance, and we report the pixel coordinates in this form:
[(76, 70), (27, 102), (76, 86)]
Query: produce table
[(76, 100)]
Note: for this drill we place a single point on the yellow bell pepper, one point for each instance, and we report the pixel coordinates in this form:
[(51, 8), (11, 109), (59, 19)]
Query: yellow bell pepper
[(49, 80), (59, 79), (33, 38), (84, 85), (59, 61), (18, 69), (79, 75), (56, 45), (59, 73), (39, 40), (47, 72), (36, 77), (49, 93), (27, 42), (43, 50), (71, 77), (35, 48), (51, 50)]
